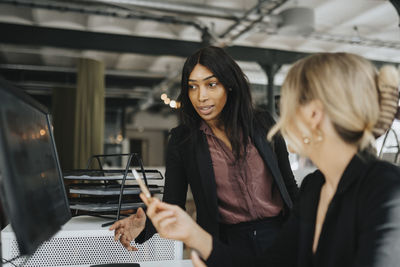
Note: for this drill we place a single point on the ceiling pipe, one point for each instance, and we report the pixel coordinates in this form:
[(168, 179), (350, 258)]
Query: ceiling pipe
[(253, 16), (118, 12), (356, 40), (244, 21), (207, 36), (180, 8), (113, 8)]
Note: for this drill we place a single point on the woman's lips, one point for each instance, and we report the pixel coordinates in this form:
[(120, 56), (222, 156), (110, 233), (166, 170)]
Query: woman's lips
[(205, 110)]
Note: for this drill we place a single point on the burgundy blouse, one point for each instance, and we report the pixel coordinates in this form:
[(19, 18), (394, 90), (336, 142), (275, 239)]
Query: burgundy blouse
[(245, 189)]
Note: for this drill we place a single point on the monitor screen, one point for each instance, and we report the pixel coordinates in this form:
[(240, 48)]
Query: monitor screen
[(31, 185)]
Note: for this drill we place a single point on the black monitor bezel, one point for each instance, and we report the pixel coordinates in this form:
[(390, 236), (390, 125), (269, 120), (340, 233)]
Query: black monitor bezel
[(6, 184)]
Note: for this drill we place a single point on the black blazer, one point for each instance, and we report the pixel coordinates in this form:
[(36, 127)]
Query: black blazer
[(188, 162), (361, 227)]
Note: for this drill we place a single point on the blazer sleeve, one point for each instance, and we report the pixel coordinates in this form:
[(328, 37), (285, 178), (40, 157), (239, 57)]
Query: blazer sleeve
[(282, 155), (379, 221), (176, 185)]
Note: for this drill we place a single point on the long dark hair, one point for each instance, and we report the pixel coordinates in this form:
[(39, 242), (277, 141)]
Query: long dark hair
[(237, 115)]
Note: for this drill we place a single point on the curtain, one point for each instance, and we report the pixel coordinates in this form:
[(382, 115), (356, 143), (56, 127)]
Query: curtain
[(89, 112), (78, 116)]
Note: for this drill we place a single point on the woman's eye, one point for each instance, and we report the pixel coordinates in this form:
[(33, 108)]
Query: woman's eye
[(212, 84), (192, 87)]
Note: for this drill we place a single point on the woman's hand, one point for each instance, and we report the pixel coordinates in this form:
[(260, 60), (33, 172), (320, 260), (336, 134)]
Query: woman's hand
[(197, 262), (174, 223), (128, 229), (170, 220)]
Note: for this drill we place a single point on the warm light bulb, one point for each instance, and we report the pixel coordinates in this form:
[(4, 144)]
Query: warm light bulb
[(167, 101), (164, 96)]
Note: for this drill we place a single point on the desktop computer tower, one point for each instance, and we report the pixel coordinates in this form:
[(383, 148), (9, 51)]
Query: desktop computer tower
[(82, 241)]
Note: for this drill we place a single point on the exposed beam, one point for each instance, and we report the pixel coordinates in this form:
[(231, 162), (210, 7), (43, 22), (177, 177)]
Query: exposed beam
[(45, 88), (122, 82), (76, 39), (264, 55), (111, 72)]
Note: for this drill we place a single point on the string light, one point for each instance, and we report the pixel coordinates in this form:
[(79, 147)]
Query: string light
[(172, 104), (168, 101)]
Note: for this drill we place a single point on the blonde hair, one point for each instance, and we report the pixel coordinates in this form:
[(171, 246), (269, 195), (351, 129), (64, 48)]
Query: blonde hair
[(347, 86), (388, 81)]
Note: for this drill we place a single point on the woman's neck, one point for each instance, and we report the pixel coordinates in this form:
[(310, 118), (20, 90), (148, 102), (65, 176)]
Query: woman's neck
[(332, 158), (215, 126)]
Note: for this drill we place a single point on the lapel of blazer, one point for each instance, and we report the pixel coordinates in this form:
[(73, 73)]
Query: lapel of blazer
[(265, 150), (206, 171)]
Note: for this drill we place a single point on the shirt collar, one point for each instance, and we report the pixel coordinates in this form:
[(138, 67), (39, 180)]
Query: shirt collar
[(206, 129), (356, 168)]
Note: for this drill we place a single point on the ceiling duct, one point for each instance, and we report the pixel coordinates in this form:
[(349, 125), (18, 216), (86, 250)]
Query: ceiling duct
[(101, 10), (180, 8), (249, 20), (396, 5), (296, 21)]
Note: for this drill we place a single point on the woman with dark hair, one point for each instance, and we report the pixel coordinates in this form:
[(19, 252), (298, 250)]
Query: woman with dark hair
[(242, 184)]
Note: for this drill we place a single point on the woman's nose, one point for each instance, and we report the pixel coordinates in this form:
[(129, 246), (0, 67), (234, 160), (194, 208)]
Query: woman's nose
[(203, 96)]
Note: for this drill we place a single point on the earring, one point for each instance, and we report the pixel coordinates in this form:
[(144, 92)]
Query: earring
[(306, 140), (319, 136)]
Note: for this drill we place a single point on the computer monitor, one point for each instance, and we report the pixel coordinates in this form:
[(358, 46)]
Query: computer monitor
[(31, 184)]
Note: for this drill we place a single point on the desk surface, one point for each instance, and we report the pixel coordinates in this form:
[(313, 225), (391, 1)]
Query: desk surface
[(174, 263)]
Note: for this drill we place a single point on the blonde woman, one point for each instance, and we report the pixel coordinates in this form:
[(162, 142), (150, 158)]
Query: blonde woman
[(348, 212)]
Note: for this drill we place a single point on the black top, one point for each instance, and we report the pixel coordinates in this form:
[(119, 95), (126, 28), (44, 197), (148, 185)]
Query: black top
[(189, 163), (361, 227)]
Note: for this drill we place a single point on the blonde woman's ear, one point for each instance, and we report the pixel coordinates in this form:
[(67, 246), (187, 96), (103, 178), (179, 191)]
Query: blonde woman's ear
[(312, 113)]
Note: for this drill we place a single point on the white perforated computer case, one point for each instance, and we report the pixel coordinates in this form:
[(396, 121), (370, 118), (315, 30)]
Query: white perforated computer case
[(82, 241)]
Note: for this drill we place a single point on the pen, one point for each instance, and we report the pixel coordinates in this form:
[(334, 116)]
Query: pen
[(142, 185)]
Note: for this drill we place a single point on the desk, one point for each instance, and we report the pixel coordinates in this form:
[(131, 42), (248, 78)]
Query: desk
[(172, 263), (175, 263)]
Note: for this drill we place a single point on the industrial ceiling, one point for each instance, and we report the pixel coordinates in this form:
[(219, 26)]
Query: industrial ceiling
[(143, 43)]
